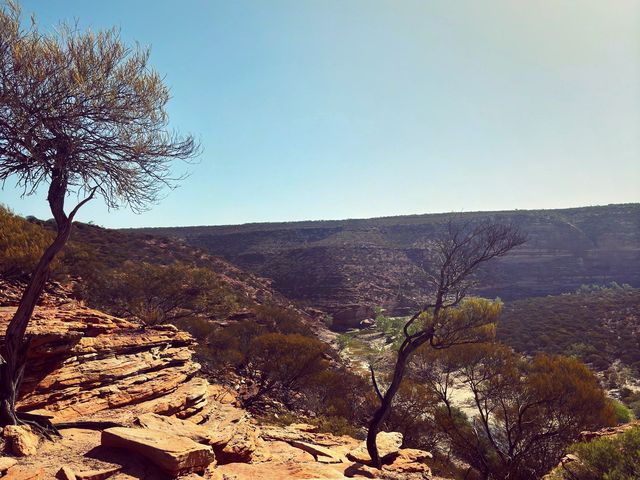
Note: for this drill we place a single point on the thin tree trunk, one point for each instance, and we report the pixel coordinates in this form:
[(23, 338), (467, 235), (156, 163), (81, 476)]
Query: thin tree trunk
[(384, 409), (409, 345), (14, 350)]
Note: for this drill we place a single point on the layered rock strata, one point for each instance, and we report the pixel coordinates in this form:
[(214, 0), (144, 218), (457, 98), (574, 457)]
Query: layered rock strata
[(82, 361)]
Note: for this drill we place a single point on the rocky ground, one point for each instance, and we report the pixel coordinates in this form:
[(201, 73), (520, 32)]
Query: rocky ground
[(129, 404)]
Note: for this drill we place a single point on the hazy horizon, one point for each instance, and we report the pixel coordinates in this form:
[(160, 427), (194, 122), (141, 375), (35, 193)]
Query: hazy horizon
[(307, 220), (360, 109)]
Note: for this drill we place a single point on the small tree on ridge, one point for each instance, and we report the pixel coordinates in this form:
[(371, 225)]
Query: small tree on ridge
[(457, 255), (84, 114)]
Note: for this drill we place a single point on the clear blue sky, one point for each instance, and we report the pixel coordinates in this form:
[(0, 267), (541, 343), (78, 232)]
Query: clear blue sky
[(322, 109)]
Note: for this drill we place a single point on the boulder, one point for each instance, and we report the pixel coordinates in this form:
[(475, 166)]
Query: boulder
[(171, 453), (388, 445), (410, 460), (21, 440), (241, 445)]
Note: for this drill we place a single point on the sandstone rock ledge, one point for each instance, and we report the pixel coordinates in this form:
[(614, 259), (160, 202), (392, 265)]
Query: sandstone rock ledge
[(82, 361)]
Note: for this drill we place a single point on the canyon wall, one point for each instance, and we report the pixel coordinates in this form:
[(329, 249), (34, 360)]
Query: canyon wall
[(349, 267)]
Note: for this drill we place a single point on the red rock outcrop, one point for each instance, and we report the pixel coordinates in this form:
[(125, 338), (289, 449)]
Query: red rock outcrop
[(82, 361)]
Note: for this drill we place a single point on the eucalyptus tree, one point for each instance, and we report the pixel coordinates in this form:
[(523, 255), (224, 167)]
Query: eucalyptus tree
[(83, 115), (455, 257)]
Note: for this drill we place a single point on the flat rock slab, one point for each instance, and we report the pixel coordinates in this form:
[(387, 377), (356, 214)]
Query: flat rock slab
[(181, 428), (97, 474), (171, 453)]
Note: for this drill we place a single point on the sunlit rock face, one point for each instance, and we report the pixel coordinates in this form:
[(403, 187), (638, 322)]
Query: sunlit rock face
[(82, 361)]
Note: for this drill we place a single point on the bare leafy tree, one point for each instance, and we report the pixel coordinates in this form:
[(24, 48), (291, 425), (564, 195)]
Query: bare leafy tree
[(84, 114), (527, 411), (457, 256)]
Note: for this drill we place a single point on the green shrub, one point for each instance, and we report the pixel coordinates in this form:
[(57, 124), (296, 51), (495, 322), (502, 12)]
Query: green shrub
[(623, 414), (282, 320), (21, 244), (162, 293), (285, 360), (608, 458), (336, 425)]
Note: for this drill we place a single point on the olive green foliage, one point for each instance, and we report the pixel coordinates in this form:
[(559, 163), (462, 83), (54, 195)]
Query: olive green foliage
[(523, 412), (474, 320), (392, 327), (126, 274), (597, 288), (344, 340), (157, 294), (224, 348), (21, 244), (597, 325), (283, 361), (279, 359), (154, 279), (623, 414), (415, 406), (85, 114), (281, 319), (340, 398), (632, 400), (609, 458)]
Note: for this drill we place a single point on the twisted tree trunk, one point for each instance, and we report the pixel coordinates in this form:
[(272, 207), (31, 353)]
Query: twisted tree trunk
[(381, 414), (14, 349)]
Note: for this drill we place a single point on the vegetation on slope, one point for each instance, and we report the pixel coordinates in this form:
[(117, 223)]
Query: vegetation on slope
[(345, 267), (248, 335), (21, 244), (599, 325), (615, 457), (269, 352)]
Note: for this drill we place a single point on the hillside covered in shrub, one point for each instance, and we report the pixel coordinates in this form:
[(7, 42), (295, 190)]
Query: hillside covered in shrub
[(600, 325), (347, 267)]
